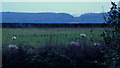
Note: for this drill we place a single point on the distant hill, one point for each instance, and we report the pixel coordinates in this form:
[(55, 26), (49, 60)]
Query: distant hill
[(16, 17)]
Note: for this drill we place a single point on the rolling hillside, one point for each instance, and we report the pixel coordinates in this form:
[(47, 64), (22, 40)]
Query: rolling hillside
[(16, 17)]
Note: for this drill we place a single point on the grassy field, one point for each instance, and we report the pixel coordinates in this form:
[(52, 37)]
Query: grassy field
[(49, 36), (37, 50)]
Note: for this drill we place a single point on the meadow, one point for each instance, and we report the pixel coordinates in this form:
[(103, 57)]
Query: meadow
[(49, 36), (50, 47), (58, 48)]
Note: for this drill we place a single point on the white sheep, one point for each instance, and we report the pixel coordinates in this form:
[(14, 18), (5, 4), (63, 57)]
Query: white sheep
[(11, 46), (83, 35), (13, 38)]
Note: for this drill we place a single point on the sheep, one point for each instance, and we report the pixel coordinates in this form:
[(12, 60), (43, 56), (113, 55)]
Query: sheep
[(11, 46), (83, 35), (13, 38)]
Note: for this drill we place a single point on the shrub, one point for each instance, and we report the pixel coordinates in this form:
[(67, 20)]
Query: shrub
[(112, 38), (53, 57)]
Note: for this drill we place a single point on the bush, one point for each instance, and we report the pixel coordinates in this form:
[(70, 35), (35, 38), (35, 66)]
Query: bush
[(112, 38), (53, 57)]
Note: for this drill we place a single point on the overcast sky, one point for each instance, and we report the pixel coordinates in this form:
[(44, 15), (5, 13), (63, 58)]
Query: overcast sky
[(73, 8), (58, 7), (58, 0)]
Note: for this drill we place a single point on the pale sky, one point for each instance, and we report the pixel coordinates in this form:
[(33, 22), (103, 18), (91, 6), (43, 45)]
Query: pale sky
[(59, 0), (74, 8)]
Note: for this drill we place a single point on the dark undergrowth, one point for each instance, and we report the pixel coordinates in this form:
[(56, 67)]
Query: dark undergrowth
[(49, 56)]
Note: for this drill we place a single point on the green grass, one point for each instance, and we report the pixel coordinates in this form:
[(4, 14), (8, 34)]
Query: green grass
[(48, 36)]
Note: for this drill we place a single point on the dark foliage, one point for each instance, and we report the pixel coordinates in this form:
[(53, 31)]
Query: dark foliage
[(112, 38), (53, 57), (53, 25)]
